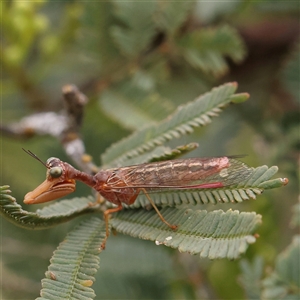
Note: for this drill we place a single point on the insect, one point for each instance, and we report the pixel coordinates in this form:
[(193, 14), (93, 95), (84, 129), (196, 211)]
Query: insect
[(123, 185)]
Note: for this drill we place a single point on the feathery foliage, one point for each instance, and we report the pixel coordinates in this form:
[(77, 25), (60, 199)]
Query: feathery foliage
[(183, 121), (162, 153), (251, 274), (282, 283), (214, 234), (295, 222), (74, 263), (197, 49), (134, 37), (140, 61), (290, 73), (143, 108)]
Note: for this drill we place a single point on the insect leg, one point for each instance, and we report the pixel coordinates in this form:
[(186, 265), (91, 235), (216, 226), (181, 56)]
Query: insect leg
[(174, 227), (107, 214)]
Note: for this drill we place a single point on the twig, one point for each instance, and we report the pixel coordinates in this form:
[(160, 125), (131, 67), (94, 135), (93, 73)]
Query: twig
[(65, 126)]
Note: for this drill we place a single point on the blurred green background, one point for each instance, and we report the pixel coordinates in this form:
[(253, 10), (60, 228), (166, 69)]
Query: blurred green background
[(137, 62)]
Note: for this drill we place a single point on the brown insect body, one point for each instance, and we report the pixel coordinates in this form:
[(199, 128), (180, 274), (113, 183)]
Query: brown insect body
[(123, 185), (114, 188)]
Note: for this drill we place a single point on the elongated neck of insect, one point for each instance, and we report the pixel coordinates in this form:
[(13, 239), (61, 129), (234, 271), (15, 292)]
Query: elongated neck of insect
[(81, 176)]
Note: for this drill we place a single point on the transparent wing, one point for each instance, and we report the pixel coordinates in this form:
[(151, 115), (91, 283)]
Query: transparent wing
[(184, 174)]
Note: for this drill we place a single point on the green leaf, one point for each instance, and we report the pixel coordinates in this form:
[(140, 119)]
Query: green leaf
[(214, 234), (162, 153), (174, 153), (251, 276), (139, 28), (144, 80), (125, 10), (116, 106), (172, 15), (287, 264), (291, 75), (183, 121), (74, 263), (144, 108), (239, 98), (296, 216), (284, 282), (207, 49), (49, 216)]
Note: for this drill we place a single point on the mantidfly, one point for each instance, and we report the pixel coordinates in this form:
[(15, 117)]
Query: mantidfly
[(123, 185)]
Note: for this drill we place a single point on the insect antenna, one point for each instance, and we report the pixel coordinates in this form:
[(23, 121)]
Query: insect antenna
[(35, 157)]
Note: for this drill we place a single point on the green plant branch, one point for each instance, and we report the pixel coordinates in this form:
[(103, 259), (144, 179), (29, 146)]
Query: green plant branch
[(74, 263), (214, 234)]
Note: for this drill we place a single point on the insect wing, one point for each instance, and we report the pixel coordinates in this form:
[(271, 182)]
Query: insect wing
[(184, 174)]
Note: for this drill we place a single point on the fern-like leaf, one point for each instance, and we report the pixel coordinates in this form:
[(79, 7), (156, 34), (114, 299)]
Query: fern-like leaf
[(74, 263), (139, 30), (49, 216), (290, 73), (206, 49), (172, 15), (117, 106), (250, 278), (162, 153), (284, 282), (174, 153), (142, 107), (296, 216), (214, 234), (183, 121)]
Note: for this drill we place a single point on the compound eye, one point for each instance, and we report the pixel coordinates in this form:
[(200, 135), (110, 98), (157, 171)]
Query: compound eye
[(55, 172)]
